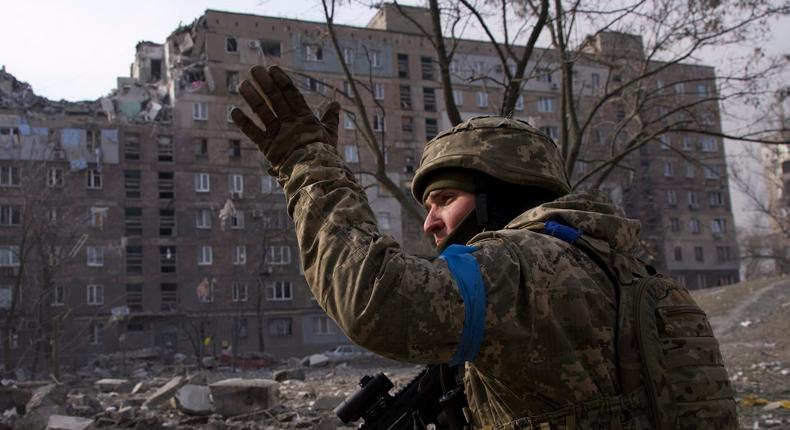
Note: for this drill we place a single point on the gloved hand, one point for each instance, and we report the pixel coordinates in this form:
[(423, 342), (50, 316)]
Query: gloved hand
[(288, 121)]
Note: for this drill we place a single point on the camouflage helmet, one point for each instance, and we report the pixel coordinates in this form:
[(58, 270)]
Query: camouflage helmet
[(506, 149)]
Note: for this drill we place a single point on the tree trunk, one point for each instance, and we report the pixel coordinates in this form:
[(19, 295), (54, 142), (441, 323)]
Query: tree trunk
[(55, 349)]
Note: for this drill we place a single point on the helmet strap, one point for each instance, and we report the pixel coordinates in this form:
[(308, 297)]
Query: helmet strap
[(481, 202), (465, 231)]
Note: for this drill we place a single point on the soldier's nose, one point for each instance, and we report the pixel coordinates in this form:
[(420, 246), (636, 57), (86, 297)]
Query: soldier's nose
[(432, 223)]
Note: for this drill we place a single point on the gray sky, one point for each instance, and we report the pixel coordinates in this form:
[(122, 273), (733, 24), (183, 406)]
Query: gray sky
[(75, 49)]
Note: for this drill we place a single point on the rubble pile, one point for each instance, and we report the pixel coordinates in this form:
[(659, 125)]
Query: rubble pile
[(287, 395), (146, 392), (19, 96)]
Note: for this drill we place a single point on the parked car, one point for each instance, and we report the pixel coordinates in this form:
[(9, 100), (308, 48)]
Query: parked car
[(347, 352)]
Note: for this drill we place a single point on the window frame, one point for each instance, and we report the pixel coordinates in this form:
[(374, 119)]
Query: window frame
[(58, 296), (283, 256), (94, 294), (203, 219), (237, 288), (547, 104), (279, 291), (205, 255), (239, 255), (200, 111), (231, 49), (94, 255), (481, 97), (55, 177), (202, 182), (10, 176)]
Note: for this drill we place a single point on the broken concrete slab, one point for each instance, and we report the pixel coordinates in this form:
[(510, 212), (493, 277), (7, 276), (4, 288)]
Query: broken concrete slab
[(126, 413), (165, 392), (318, 360), (63, 422), (82, 404), (289, 374), (140, 387), (194, 400), (48, 395), (238, 396), (109, 385)]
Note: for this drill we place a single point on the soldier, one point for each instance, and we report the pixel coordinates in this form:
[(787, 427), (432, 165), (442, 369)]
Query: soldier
[(531, 316)]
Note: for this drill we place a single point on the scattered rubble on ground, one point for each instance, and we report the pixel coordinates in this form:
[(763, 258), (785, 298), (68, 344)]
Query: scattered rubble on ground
[(151, 395), (302, 393)]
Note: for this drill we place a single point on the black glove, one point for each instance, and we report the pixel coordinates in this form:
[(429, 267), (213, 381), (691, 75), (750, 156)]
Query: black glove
[(288, 121)]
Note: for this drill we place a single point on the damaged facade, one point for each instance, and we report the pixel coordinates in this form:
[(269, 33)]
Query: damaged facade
[(187, 245)]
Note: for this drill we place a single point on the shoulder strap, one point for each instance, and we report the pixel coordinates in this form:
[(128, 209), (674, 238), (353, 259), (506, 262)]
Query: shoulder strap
[(574, 236)]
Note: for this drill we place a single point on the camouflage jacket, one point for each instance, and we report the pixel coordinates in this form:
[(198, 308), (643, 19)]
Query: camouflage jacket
[(550, 312)]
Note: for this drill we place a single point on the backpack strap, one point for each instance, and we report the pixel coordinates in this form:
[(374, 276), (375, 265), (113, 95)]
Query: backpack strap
[(574, 236), (615, 412)]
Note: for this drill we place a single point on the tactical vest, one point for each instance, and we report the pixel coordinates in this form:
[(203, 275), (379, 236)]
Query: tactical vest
[(671, 371)]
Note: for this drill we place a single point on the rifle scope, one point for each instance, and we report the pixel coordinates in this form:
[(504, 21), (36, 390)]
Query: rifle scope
[(364, 401)]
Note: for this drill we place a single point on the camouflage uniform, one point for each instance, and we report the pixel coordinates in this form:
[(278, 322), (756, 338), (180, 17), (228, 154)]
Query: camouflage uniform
[(548, 358), (549, 337)]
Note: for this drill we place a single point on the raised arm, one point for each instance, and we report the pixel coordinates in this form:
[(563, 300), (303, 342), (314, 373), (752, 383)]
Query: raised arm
[(401, 306)]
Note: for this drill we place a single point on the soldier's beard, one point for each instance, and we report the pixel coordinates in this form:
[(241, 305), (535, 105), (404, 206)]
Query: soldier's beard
[(462, 234)]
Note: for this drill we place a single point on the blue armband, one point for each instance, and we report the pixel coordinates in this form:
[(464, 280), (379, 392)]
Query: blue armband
[(466, 271), (562, 231)]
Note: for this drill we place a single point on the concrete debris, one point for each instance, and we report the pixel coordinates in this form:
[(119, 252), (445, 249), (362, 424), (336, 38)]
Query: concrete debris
[(114, 385), (289, 374), (165, 392), (194, 400), (62, 422), (126, 413), (45, 396), (12, 397), (46, 401), (19, 96), (207, 399), (318, 360), (237, 396), (140, 387), (82, 405), (228, 210)]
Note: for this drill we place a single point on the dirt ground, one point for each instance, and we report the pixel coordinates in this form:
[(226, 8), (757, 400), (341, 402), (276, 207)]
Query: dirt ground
[(752, 322)]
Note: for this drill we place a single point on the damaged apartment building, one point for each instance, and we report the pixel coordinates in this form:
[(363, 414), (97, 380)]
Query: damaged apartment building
[(184, 242)]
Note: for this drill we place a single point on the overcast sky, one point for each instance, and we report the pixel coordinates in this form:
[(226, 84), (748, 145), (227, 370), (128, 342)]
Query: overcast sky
[(76, 49)]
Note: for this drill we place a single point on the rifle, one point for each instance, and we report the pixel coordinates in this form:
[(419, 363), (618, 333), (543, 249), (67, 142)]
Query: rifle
[(432, 398)]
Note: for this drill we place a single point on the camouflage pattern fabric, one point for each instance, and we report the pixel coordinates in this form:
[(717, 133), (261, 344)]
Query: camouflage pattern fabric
[(551, 357), (549, 334), (507, 149)]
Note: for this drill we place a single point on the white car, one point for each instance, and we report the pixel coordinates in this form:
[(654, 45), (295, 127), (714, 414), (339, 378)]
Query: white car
[(347, 352)]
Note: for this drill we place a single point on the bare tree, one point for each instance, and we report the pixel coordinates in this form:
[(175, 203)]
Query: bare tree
[(642, 84), (513, 58), (374, 141), (49, 236), (636, 48), (762, 176)]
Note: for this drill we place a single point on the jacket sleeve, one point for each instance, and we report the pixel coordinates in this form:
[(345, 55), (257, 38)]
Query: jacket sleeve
[(404, 307)]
